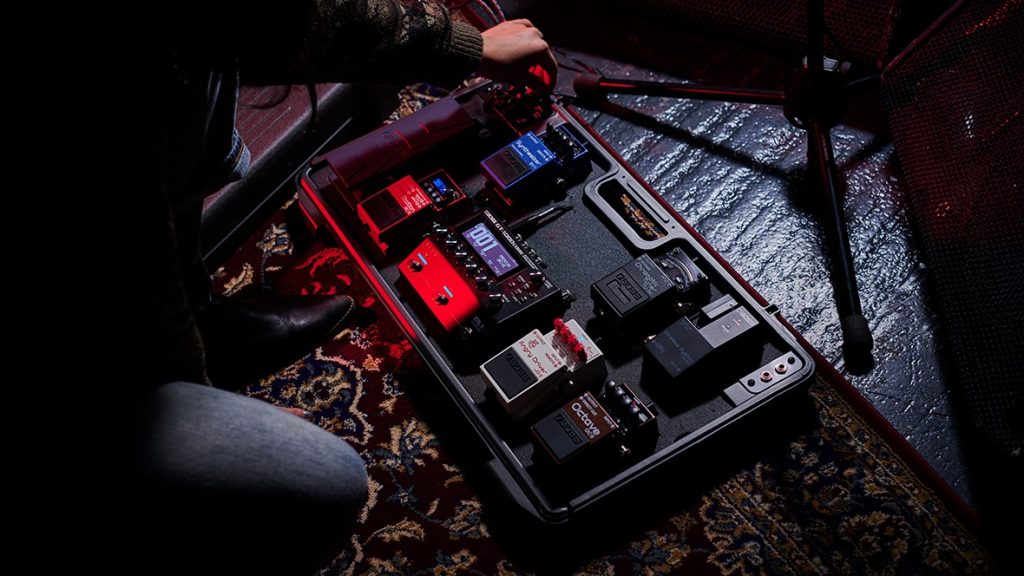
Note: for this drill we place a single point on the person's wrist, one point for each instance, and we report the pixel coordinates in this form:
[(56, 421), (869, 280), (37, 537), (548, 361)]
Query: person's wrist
[(467, 43)]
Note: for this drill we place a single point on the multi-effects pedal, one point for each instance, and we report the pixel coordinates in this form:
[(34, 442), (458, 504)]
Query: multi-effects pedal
[(477, 277)]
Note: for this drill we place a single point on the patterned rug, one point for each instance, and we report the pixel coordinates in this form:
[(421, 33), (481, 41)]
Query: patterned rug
[(835, 492)]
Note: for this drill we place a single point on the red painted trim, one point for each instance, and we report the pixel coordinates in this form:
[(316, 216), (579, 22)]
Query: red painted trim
[(620, 85), (310, 221)]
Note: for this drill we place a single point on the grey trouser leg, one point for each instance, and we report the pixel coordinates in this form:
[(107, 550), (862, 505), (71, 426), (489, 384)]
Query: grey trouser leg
[(230, 484)]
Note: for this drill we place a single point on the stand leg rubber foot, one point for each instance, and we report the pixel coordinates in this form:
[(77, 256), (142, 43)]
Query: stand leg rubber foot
[(857, 343)]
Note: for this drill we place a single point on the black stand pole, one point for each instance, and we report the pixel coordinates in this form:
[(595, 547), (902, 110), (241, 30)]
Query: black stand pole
[(815, 101)]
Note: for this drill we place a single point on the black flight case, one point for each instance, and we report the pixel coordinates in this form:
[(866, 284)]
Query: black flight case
[(586, 332)]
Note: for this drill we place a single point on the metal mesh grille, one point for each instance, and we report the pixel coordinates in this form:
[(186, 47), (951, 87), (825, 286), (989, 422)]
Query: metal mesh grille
[(866, 32), (955, 108), (858, 31)]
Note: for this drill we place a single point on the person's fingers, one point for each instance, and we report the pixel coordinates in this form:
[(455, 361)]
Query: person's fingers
[(521, 21), (549, 64), (297, 412), (515, 51), (535, 80)]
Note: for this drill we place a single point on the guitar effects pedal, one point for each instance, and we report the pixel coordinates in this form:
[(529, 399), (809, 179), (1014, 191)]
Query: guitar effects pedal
[(477, 277), (539, 367), (396, 211)]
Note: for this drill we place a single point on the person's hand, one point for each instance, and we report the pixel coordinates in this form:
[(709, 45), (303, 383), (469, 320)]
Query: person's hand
[(298, 412), (515, 52)]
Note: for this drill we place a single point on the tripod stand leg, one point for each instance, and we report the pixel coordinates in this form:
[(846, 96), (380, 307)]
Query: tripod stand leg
[(857, 340)]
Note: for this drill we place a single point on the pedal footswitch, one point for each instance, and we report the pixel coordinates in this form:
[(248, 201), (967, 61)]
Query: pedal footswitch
[(521, 162), (534, 163), (587, 422), (579, 425)]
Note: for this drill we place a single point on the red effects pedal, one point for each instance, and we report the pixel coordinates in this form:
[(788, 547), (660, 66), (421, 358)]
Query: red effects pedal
[(397, 211), (441, 288)]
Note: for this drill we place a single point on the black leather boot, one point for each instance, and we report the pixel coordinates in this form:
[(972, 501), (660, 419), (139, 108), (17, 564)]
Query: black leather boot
[(247, 340)]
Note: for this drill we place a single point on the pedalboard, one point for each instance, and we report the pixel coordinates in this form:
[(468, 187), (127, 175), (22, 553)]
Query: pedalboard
[(537, 274)]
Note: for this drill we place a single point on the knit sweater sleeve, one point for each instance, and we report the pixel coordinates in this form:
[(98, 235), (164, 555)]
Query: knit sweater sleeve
[(377, 41)]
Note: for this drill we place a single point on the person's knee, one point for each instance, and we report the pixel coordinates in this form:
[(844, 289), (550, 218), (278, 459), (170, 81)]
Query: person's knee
[(349, 491), (232, 467)]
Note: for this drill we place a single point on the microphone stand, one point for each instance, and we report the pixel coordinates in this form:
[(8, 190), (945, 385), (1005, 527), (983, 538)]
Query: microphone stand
[(814, 101)]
